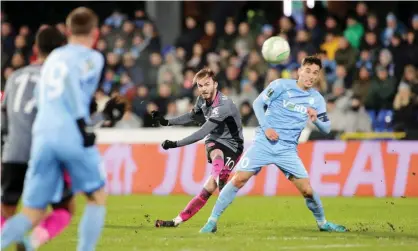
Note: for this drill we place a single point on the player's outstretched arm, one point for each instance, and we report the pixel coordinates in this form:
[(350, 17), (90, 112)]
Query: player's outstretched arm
[(207, 127), (269, 94), (180, 120), (193, 115)]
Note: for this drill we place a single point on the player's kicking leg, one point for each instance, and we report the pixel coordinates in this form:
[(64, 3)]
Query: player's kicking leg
[(291, 165), (250, 164), (218, 178)]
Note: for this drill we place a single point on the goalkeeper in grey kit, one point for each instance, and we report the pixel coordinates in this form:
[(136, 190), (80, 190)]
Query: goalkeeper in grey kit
[(223, 139)]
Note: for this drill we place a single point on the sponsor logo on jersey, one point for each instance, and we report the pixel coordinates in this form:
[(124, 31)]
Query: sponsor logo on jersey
[(294, 107)]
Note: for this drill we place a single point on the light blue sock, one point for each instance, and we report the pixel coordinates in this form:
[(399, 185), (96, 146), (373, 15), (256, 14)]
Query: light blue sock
[(225, 198), (14, 230), (315, 205), (90, 227)]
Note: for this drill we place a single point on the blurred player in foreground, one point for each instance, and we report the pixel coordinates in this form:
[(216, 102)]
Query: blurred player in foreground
[(224, 139), (61, 137), (290, 103), (18, 113)]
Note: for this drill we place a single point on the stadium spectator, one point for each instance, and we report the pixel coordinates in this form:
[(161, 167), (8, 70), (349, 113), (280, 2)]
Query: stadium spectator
[(393, 26), (341, 77), (227, 40), (373, 24), (371, 44), (302, 44), (116, 19), (244, 37), (411, 46), (361, 13), (189, 37), (209, 38), (356, 118), (341, 96), (316, 32), (287, 27), (382, 91), (330, 46), (362, 84), (354, 31), (345, 55), (248, 116), (405, 109), (172, 65), (101, 100)]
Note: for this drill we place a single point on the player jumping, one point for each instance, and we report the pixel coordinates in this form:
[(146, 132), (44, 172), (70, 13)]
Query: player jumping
[(290, 104), (224, 139), (18, 113), (61, 137)]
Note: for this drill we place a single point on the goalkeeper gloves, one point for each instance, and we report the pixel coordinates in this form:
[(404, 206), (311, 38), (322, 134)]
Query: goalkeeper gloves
[(156, 116), (86, 132), (167, 144)]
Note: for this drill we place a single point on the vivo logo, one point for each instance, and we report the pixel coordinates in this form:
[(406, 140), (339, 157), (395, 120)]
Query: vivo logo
[(294, 107)]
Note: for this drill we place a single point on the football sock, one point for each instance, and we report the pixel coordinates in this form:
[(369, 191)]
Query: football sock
[(218, 165), (90, 227), (314, 204), (50, 227), (227, 195), (15, 229), (197, 203)]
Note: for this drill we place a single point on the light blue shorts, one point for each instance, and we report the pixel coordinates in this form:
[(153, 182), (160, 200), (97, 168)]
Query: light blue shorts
[(49, 157), (264, 152)]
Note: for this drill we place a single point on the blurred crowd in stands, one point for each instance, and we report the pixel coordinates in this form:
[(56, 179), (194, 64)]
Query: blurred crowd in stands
[(370, 78)]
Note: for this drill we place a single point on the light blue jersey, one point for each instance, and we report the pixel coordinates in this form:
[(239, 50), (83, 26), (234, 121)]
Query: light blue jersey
[(69, 79), (287, 107)]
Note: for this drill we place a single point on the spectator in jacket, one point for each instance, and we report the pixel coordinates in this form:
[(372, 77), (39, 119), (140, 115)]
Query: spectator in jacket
[(346, 55), (354, 31), (356, 118), (382, 91), (362, 84), (405, 109)]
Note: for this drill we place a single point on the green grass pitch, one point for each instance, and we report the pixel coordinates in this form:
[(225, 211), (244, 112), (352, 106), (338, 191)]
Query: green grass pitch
[(253, 223)]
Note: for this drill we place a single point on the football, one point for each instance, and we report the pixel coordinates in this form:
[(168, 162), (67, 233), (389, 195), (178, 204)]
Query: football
[(275, 50)]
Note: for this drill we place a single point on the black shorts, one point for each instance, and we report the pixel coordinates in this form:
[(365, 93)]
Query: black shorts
[(231, 158), (13, 179)]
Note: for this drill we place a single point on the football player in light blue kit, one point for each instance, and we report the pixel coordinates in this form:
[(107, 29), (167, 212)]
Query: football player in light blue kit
[(290, 103), (61, 138)]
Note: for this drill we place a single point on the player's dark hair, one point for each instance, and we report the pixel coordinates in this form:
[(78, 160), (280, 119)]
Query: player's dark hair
[(48, 39), (82, 21), (310, 60), (203, 73)]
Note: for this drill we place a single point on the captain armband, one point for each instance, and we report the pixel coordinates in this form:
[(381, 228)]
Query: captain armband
[(323, 117)]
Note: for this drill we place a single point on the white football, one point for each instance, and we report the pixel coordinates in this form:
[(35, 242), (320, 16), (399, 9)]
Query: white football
[(275, 50)]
